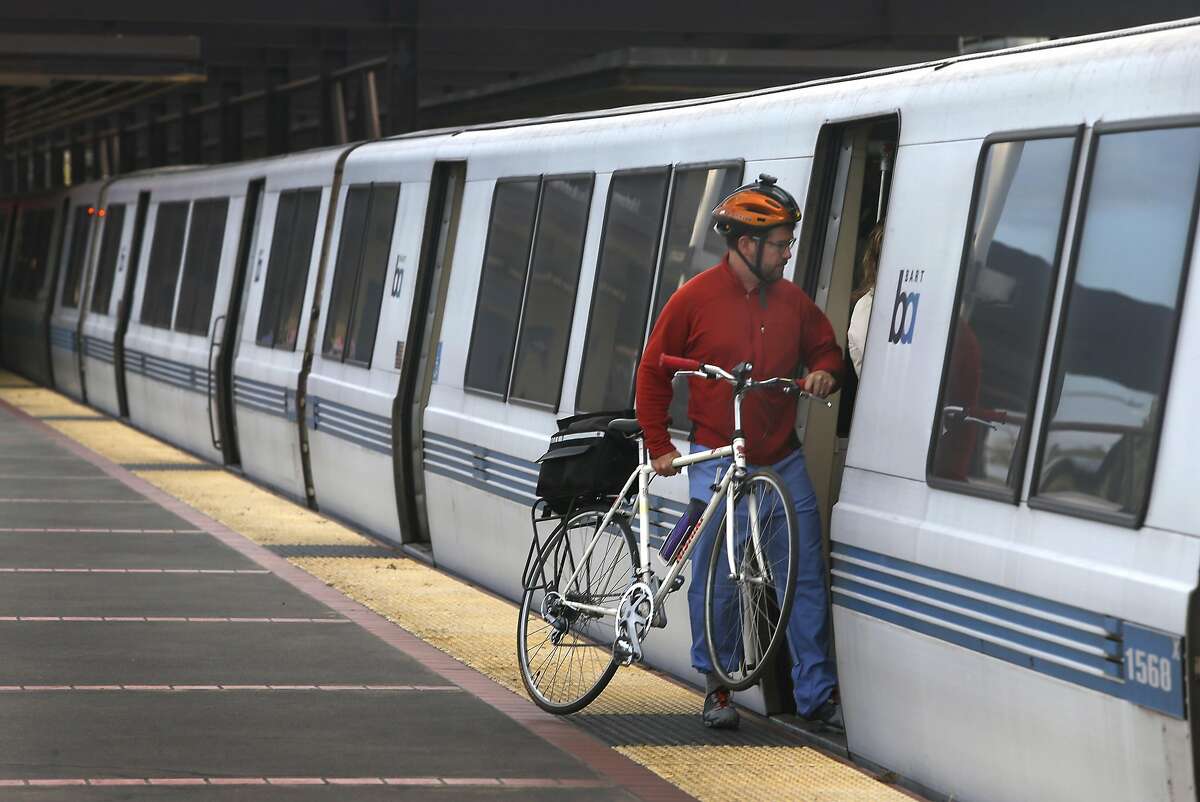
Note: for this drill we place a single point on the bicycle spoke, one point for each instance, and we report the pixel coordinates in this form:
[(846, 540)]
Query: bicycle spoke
[(565, 653), (746, 619)]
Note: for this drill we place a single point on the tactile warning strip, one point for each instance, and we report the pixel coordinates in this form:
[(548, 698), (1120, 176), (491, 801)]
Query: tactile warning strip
[(301, 550), (168, 466), (642, 715)]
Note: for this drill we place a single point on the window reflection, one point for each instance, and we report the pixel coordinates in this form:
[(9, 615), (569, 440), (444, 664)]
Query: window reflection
[(621, 299), (345, 274), (166, 257), (550, 299), (996, 342), (206, 234), (1119, 324), (110, 244), (502, 285), (372, 273), (75, 257), (692, 246)]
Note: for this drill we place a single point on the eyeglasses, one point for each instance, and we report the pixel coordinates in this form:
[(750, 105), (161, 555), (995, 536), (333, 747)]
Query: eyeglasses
[(782, 244)]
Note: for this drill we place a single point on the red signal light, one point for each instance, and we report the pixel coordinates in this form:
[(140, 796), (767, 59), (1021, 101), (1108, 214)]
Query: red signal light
[(100, 212), (91, 210)]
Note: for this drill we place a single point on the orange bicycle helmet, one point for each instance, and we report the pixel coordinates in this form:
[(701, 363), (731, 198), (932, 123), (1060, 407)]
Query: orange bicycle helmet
[(755, 208)]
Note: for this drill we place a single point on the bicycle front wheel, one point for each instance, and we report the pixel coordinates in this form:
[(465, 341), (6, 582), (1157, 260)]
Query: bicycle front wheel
[(566, 654), (747, 604)]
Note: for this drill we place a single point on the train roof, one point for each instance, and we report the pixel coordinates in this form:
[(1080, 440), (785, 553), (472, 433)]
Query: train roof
[(940, 64)]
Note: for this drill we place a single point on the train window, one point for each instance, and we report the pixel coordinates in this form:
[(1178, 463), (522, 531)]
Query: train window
[(166, 255), (994, 358), (106, 267), (206, 236), (287, 270), (1117, 329), (364, 319), (691, 245), (501, 285), (28, 271), (75, 257), (621, 297), (345, 271), (359, 275), (550, 296)]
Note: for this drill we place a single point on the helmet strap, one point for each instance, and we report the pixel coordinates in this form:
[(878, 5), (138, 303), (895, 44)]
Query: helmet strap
[(756, 268)]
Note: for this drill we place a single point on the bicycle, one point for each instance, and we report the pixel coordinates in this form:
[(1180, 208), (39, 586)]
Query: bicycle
[(590, 570)]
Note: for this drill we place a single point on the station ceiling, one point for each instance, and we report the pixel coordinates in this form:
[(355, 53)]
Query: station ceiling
[(133, 83)]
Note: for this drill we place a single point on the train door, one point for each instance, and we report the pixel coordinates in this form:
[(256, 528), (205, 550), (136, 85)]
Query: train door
[(852, 174), (847, 198), (223, 338), (130, 266), (419, 361)]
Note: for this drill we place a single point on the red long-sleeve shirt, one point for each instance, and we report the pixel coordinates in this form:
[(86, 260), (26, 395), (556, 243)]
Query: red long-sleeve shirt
[(713, 319)]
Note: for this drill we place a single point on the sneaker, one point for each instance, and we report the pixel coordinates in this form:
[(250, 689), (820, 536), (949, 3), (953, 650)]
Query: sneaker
[(719, 712), (829, 715)]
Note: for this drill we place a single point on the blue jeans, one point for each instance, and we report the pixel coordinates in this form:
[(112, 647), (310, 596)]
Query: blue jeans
[(814, 673)]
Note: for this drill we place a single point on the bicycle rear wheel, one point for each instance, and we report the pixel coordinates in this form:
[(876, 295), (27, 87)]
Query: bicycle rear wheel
[(566, 655), (746, 611)]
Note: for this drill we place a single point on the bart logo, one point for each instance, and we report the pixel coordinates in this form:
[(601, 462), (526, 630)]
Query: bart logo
[(904, 313)]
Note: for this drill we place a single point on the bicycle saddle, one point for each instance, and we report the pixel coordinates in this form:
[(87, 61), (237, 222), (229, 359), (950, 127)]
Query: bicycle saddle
[(626, 426)]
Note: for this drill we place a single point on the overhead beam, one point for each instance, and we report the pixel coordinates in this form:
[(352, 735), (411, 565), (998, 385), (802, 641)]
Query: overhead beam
[(684, 72), (34, 58), (342, 14), (857, 18)]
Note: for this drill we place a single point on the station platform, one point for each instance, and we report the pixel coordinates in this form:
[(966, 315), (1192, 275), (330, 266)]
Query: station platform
[(170, 630)]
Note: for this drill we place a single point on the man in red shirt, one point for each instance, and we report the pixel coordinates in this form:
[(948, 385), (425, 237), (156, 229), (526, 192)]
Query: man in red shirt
[(742, 310)]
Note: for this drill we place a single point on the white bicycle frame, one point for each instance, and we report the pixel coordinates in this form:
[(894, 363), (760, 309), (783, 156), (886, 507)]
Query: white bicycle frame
[(642, 475)]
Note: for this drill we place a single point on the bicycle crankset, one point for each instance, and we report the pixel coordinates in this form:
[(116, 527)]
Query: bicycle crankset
[(634, 614)]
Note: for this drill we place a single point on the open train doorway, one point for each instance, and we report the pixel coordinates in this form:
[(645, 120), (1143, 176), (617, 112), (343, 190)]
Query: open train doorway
[(847, 199)]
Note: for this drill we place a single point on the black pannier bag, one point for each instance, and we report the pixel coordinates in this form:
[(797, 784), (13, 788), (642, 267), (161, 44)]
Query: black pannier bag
[(586, 462)]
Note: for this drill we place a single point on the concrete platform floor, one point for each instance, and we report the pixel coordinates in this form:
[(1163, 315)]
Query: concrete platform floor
[(165, 630)]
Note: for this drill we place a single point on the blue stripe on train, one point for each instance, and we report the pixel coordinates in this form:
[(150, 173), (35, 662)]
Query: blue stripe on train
[(1086, 648)]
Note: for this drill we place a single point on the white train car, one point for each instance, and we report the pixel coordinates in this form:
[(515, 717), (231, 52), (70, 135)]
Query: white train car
[(109, 294), (185, 298), (279, 319), (83, 216), (351, 394), (1014, 550)]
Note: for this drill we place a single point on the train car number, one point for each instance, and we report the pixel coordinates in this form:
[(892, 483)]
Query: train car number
[(1153, 669)]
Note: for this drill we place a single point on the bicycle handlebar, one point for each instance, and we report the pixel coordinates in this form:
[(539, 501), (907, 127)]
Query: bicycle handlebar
[(681, 364), (678, 363)]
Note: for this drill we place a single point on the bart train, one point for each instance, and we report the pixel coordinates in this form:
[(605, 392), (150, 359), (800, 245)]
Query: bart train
[(389, 329)]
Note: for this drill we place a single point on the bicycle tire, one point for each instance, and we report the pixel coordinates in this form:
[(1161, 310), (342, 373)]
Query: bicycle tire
[(760, 618), (549, 636)]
